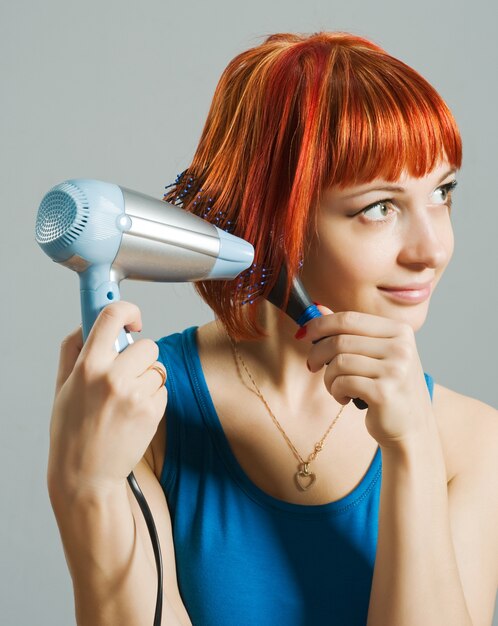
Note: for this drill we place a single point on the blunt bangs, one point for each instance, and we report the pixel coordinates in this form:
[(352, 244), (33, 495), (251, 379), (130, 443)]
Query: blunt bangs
[(391, 121)]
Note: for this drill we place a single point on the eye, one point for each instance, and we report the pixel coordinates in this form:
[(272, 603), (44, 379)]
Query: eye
[(379, 209), (447, 191)]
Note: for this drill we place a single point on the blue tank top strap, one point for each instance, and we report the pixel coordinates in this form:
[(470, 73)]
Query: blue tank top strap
[(186, 434), (183, 437), (169, 356), (430, 384)]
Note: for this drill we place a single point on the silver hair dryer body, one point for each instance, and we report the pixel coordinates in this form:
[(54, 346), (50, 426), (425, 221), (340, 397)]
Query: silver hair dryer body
[(107, 233)]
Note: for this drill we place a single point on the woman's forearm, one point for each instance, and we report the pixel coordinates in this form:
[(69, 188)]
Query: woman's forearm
[(113, 580), (416, 580)]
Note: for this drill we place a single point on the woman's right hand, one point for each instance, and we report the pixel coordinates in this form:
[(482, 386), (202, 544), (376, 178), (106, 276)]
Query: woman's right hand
[(107, 405)]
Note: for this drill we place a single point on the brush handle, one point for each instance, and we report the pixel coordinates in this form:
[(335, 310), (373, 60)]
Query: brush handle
[(299, 307), (308, 314), (358, 402)]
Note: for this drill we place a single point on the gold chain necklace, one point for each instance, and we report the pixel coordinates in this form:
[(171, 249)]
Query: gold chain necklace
[(304, 478)]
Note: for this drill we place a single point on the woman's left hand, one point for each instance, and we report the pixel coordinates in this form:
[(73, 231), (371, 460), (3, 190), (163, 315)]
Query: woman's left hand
[(376, 359)]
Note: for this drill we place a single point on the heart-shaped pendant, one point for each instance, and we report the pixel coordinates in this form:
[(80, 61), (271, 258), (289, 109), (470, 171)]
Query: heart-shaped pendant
[(304, 478)]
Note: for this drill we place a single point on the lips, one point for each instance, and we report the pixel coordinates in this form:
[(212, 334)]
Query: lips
[(411, 293), (408, 287)]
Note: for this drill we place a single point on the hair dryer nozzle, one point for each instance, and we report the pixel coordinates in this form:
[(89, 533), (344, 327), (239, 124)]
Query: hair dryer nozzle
[(235, 255)]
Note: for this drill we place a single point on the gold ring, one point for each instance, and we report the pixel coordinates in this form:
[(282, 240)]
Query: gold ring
[(161, 371)]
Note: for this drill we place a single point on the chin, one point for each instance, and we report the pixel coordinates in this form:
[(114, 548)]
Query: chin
[(413, 316)]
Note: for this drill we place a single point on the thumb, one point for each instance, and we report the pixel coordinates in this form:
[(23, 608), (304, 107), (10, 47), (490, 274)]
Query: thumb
[(70, 349)]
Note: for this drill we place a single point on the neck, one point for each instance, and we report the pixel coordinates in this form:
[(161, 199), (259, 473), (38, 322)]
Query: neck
[(278, 364)]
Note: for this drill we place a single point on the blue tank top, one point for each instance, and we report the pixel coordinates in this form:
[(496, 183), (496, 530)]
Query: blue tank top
[(243, 557)]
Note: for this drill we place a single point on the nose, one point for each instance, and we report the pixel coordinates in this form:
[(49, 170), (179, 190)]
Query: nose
[(427, 239)]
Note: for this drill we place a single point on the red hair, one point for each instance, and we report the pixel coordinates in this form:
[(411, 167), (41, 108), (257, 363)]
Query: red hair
[(290, 118)]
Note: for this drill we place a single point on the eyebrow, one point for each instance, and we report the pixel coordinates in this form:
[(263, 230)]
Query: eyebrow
[(390, 187)]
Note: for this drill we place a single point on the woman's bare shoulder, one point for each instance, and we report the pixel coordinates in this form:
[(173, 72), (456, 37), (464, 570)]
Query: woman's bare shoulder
[(466, 425), (466, 409)]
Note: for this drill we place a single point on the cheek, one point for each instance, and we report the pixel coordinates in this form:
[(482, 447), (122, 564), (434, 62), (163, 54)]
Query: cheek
[(346, 262)]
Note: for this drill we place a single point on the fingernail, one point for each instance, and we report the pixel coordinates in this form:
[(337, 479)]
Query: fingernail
[(300, 333), (320, 304)]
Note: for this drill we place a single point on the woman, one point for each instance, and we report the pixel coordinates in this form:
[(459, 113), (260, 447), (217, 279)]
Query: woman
[(286, 503)]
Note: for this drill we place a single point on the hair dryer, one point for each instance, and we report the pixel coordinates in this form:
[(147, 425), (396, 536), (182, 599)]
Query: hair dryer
[(106, 233)]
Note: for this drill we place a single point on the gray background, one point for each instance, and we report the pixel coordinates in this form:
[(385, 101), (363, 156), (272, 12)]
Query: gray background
[(119, 92)]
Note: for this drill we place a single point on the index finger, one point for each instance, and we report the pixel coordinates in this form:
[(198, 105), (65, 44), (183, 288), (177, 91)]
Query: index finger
[(99, 346), (69, 352), (350, 323)]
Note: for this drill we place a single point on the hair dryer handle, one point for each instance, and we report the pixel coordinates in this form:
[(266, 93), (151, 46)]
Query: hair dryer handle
[(92, 303)]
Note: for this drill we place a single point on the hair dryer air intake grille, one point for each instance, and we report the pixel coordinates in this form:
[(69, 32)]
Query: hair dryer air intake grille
[(62, 216)]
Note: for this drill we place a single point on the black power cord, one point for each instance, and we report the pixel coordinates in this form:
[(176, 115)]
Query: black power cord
[(137, 492)]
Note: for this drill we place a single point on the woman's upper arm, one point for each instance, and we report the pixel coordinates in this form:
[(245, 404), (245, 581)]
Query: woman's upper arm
[(473, 512), (156, 452), (147, 475)]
